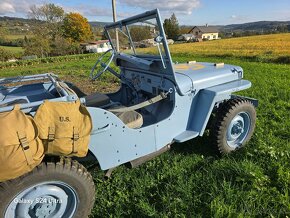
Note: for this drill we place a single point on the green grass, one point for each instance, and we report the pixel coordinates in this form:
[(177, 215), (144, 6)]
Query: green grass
[(17, 36), (191, 180), (13, 50)]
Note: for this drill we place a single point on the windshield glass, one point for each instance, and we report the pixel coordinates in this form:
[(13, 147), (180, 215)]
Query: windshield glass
[(139, 38)]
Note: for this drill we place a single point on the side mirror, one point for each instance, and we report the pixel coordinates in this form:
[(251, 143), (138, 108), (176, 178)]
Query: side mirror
[(158, 39)]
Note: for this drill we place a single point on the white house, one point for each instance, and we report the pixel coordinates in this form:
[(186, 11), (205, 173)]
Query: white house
[(205, 32), (97, 46), (186, 37)]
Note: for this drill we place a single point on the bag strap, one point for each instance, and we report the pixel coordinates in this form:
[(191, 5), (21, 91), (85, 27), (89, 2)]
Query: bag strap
[(17, 107), (25, 147), (142, 104), (50, 137), (76, 136), (66, 88)]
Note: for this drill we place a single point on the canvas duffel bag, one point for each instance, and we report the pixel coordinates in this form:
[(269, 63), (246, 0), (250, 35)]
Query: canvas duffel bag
[(20, 148), (64, 128)]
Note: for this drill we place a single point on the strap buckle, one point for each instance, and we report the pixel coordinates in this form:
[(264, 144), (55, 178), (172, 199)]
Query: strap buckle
[(76, 136), (24, 143), (25, 146), (51, 134)]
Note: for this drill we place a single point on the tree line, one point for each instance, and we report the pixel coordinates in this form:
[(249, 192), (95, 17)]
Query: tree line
[(56, 32)]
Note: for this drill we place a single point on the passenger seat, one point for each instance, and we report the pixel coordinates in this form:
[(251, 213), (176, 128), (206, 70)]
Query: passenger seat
[(131, 119)]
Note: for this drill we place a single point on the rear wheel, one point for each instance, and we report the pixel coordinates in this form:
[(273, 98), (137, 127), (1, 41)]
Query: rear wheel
[(61, 189), (234, 125)]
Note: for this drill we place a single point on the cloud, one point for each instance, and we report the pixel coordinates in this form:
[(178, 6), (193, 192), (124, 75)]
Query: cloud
[(177, 6), (89, 10), (16, 6), (240, 19), (94, 11), (6, 7), (283, 14)]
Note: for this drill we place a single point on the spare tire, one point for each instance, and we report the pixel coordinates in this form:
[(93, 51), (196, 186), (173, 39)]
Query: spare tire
[(53, 189)]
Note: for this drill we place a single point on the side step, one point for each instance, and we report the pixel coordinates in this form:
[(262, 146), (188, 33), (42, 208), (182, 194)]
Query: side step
[(141, 160), (185, 136)]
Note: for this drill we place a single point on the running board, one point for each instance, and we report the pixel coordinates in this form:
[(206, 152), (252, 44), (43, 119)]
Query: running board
[(141, 160), (185, 136)]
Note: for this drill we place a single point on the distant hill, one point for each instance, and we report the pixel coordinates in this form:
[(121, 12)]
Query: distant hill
[(98, 23), (13, 20), (260, 26)]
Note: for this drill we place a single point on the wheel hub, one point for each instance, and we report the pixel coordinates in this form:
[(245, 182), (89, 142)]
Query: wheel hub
[(45, 200), (238, 129), (46, 208)]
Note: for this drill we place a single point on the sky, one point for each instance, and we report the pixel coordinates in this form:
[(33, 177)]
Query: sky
[(188, 12)]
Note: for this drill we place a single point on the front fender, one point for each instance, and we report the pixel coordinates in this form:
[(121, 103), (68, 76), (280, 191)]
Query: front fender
[(206, 100)]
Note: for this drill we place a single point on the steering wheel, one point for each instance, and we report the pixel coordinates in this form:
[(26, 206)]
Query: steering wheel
[(102, 65)]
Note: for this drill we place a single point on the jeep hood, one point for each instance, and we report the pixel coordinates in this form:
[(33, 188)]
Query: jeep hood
[(201, 75)]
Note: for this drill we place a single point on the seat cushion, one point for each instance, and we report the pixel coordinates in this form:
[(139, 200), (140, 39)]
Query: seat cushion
[(97, 100), (132, 119)]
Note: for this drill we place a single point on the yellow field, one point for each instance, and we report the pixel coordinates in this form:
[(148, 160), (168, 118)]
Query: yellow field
[(274, 45)]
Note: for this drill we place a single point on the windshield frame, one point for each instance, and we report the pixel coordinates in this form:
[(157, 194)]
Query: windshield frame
[(154, 14)]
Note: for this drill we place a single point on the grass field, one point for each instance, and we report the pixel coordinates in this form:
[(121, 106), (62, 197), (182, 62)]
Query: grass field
[(12, 49), (270, 48), (191, 180), (17, 36)]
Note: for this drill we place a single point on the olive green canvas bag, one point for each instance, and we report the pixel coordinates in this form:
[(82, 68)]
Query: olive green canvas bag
[(64, 128), (20, 148)]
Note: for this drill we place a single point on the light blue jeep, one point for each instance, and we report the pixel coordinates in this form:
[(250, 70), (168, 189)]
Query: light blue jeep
[(159, 103)]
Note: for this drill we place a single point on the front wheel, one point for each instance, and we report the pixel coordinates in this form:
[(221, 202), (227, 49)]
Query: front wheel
[(234, 125), (61, 189)]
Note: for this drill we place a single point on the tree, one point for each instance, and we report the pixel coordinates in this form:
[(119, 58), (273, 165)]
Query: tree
[(140, 33), (49, 13), (48, 19), (171, 27), (76, 28), (61, 46), (5, 55), (282, 29), (37, 46), (3, 33)]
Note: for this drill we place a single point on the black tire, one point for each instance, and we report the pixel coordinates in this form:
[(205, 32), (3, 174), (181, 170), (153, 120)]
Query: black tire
[(70, 173), (223, 126)]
